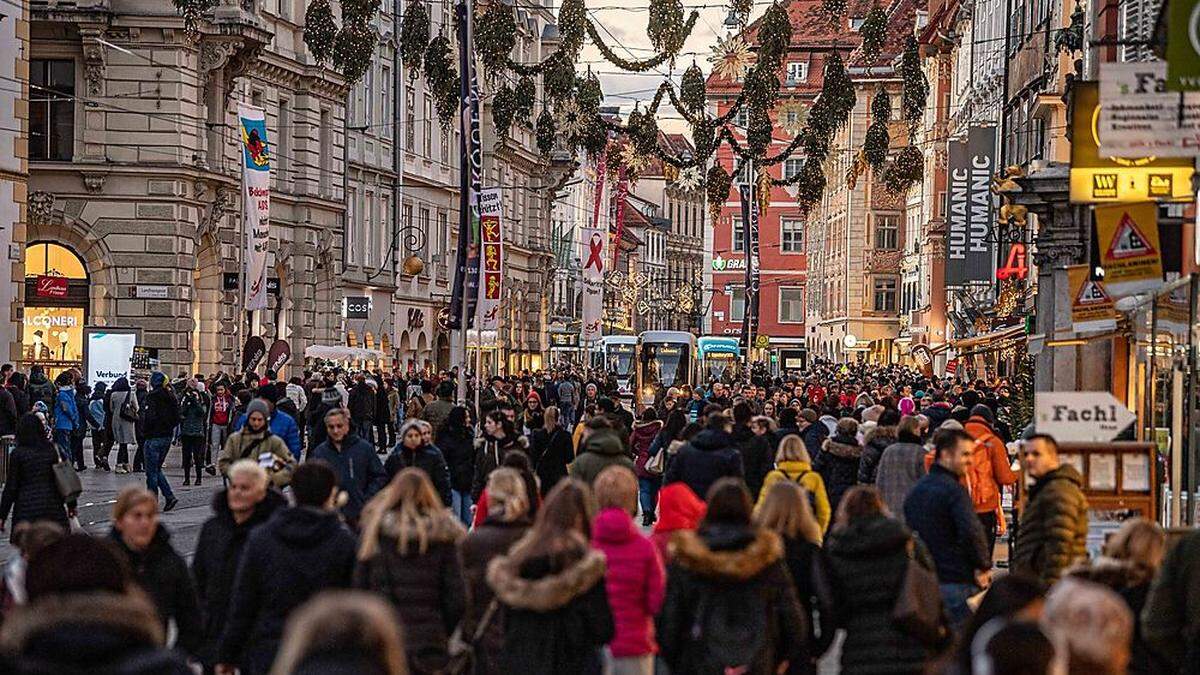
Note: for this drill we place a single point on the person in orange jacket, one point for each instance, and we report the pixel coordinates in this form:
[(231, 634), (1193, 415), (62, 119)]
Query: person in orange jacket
[(989, 472)]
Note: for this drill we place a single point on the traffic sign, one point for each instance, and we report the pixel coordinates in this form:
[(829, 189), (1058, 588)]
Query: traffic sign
[(1080, 416)]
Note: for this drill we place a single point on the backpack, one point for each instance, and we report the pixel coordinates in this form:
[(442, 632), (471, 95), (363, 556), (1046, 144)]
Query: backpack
[(982, 482), (812, 496), (730, 632)]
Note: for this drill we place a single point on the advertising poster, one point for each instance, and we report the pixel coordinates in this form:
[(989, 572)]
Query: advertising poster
[(491, 237), (594, 256), (1183, 45), (969, 212), (108, 355), (256, 202), (1091, 307), (1140, 118), (1127, 235)]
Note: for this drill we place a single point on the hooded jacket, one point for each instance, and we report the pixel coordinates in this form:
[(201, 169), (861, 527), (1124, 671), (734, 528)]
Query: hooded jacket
[(874, 443), (838, 465), (803, 475), (298, 553), (193, 414), (720, 565), (678, 509), (40, 388), (163, 574), (66, 410), (360, 473), (602, 449), (218, 552), (282, 425), (426, 458), (556, 619), (709, 456), (246, 444), (426, 587), (1054, 526), (635, 582), (639, 443), (489, 540), (160, 414)]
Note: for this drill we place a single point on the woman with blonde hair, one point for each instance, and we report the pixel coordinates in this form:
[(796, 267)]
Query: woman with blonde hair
[(793, 464), (342, 631), (410, 553)]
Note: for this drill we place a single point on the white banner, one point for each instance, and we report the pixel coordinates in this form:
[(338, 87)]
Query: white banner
[(595, 259), (256, 202), (1140, 118), (491, 236), (108, 356)]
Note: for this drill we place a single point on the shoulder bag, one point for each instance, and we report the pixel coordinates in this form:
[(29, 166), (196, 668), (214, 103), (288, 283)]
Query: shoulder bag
[(918, 609), (67, 481)]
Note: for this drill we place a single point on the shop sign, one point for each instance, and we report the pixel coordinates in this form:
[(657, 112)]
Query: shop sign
[(231, 281), (969, 212), (1130, 254), (1099, 178), (51, 287), (151, 292), (1014, 264), (564, 340), (279, 354), (1080, 416), (1091, 307), (923, 355), (357, 306), (1183, 45), (720, 264), (416, 318), (762, 341), (1140, 118)]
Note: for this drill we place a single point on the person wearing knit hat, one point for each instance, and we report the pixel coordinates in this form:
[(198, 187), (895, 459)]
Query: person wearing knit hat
[(160, 416), (256, 441)]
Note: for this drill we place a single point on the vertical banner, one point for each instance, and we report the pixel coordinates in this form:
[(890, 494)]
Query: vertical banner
[(594, 256), (752, 262), (256, 202), (1183, 45), (1127, 237), (492, 239), (470, 169), (1091, 307), (622, 193), (969, 212), (745, 341)]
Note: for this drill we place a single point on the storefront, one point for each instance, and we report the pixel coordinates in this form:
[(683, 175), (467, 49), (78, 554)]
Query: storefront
[(56, 307)]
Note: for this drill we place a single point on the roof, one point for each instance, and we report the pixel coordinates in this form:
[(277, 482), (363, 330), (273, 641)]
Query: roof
[(677, 145), (901, 17)]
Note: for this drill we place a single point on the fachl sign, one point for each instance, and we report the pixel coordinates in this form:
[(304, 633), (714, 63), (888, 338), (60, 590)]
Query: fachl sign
[(1080, 416), (51, 287)]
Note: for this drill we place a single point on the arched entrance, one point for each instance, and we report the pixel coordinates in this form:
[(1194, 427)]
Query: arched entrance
[(443, 352), (56, 307)]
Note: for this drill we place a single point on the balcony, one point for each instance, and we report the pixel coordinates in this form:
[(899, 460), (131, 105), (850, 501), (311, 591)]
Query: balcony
[(883, 261)]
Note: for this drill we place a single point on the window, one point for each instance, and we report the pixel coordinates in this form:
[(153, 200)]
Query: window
[(424, 224), (368, 94), (885, 294), (797, 72), (743, 175), (283, 143), (737, 304), (791, 235), (741, 119), (856, 22), (796, 118), (384, 227), (406, 219), (52, 110), (385, 102), (791, 167), (326, 143), (443, 236), (791, 305), (368, 212), (887, 232), (352, 223), (427, 128), (445, 146), (739, 234)]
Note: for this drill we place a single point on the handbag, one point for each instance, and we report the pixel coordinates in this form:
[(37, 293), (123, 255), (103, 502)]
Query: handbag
[(657, 462), (461, 651), (918, 608), (67, 481)]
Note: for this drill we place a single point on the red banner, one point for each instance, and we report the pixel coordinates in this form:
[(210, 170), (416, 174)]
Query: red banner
[(51, 287)]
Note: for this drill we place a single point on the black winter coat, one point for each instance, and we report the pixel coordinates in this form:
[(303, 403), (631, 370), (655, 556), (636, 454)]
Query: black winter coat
[(709, 456), (814, 436), (426, 458), (489, 454), (163, 574), (758, 458), (427, 588), (555, 620), (868, 559), (486, 542), (874, 443), (809, 569), (40, 388), (550, 454), (298, 553), (218, 552), (939, 510), (360, 473), (838, 466), (20, 399), (362, 403), (160, 414), (8, 413), (30, 491), (458, 449), (714, 570), (1170, 620)]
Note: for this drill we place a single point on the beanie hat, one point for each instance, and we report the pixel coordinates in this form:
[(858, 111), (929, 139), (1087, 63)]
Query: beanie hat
[(157, 379), (260, 406), (985, 412)]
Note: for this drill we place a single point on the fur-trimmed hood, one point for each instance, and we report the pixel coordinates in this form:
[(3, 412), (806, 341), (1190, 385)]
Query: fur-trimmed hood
[(880, 437), (102, 622), (1114, 573), (842, 448), (441, 528), (715, 552), (549, 592)]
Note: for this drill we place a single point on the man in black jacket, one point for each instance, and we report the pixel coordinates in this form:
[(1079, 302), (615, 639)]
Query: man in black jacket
[(939, 510), (709, 456), (160, 416)]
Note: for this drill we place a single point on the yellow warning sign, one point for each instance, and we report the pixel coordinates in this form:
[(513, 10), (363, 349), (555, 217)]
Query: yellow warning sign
[(1092, 308), (1128, 240)]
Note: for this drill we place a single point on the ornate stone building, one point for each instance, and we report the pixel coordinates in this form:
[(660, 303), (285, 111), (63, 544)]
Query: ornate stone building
[(14, 168)]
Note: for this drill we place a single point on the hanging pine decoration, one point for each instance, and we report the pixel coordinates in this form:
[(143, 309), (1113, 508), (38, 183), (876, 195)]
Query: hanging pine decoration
[(834, 8), (447, 99), (704, 139), (572, 24), (758, 131), (545, 131), (916, 87), (414, 36), (904, 171), (437, 59), (442, 78), (774, 36), (558, 80), (691, 90), (878, 140), (665, 27), (353, 49), (363, 10), (320, 30), (526, 92), (504, 109), (642, 130), (741, 10), (594, 137), (874, 33), (810, 185), (495, 35), (762, 87), (588, 93), (193, 11), (839, 90), (716, 186), (816, 145)]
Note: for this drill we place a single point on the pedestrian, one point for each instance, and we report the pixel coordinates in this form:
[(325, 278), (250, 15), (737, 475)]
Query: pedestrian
[(243, 505), (83, 394), (301, 551), (550, 587), (160, 416), (281, 423), (157, 568), (533, 415), (414, 451), (839, 459), (96, 419), (1012, 598), (220, 417), (568, 401), (141, 392), (1093, 623), (731, 605), (30, 490), (793, 465), (193, 426), (40, 388), (256, 442), (602, 447), (360, 474), (439, 409), (362, 408), (409, 553), (709, 456), (990, 472), (28, 538), (640, 440), (123, 412), (875, 442), (634, 581), (869, 554), (901, 465), (785, 510), (342, 632), (15, 386), (758, 457), (1170, 620), (506, 521), (550, 451), (939, 511), (679, 509), (66, 419), (330, 399), (456, 440), (499, 436), (1054, 523)]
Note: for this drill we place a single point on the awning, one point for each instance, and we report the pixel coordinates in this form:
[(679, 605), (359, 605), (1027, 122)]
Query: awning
[(341, 353), (984, 340)]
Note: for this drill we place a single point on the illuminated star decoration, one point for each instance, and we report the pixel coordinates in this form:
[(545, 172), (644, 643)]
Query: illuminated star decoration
[(792, 117), (633, 161), (731, 58), (689, 179), (569, 119)]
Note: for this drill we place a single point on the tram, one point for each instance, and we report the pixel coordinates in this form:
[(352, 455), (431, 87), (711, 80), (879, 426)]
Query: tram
[(617, 354), (666, 359), (718, 359)]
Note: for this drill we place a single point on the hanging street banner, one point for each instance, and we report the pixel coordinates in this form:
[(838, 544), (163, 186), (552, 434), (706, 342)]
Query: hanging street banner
[(1183, 45), (1092, 309), (470, 172), (492, 238), (1127, 235), (1098, 178), (969, 208), (750, 237), (252, 353), (594, 255), (619, 231), (1140, 118), (256, 202)]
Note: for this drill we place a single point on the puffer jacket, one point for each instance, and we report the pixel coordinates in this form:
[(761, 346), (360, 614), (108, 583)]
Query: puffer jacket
[(245, 444), (804, 475), (635, 582), (838, 465), (1054, 526), (678, 509), (639, 442), (708, 457), (868, 559), (602, 449), (990, 466), (426, 587), (874, 443), (193, 414), (66, 411), (489, 540), (713, 572)]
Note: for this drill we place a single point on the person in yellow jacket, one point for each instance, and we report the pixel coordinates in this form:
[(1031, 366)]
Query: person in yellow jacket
[(793, 463)]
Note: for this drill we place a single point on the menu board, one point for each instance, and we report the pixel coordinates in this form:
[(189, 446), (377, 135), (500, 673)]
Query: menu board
[(1102, 472)]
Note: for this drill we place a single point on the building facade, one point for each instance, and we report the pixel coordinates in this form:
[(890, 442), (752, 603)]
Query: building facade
[(14, 170)]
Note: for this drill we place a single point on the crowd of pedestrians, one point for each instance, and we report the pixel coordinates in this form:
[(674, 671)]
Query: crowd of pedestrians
[(371, 523)]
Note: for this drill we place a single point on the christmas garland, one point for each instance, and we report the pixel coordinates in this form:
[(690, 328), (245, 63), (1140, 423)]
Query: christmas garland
[(906, 170), (545, 132), (643, 65), (915, 86), (692, 90), (495, 35), (878, 141), (442, 78), (665, 27), (525, 93), (504, 109), (414, 36), (353, 48), (839, 89), (320, 30), (361, 10), (558, 80), (716, 186), (874, 33), (588, 92)]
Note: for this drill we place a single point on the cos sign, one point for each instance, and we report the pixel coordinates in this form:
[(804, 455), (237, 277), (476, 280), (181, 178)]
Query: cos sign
[(357, 307)]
